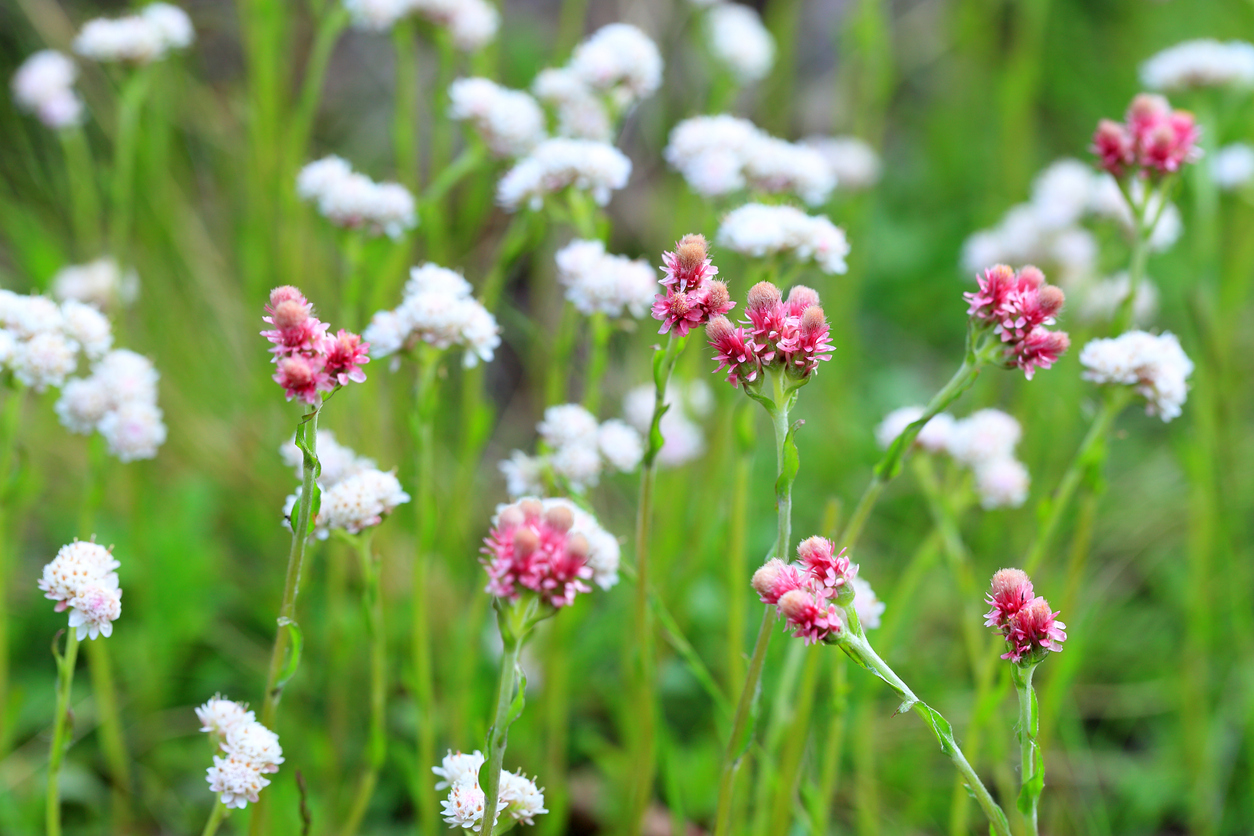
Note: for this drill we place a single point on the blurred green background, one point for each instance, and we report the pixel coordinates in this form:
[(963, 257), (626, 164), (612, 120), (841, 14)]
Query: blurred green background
[(1148, 714)]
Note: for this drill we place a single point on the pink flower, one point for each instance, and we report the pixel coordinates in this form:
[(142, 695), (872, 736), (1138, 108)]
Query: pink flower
[(535, 549), (1018, 306), (829, 571), (1040, 349), (792, 334), (303, 377), (689, 267), (692, 297), (812, 342), (1113, 146), (346, 354), (801, 297), (813, 620), (1154, 138), (1034, 630), (767, 315), (736, 351), (295, 326), (1011, 590), (679, 310), (776, 578)]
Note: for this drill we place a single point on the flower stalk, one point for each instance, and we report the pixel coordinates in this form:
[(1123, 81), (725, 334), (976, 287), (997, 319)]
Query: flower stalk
[(1032, 763), (216, 817), (372, 606), (62, 726)]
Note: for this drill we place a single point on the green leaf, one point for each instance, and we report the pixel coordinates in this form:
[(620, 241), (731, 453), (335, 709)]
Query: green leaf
[(520, 700), (1032, 787), (791, 464), (314, 506), (293, 656)]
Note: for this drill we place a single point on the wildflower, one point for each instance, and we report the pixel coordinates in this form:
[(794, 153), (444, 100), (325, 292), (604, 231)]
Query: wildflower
[(523, 800), (346, 354), (360, 501), (791, 335), (88, 327), (620, 61), (581, 113), (533, 547), (735, 351), (620, 444), (219, 715), (866, 604), (150, 35), (739, 42), (855, 163), (524, 474), (1233, 166), (249, 751), (1011, 591), (458, 768), (472, 24), (760, 231), (1153, 138), (135, 430), (1001, 483), (1156, 366), (984, 436), (683, 439), (1030, 628), (44, 360), (254, 744), (354, 201), (559, 163), (1017, 307), (598, 282), (691, 295), (510, 121), (82, 578), (307, 362), (236, 782), (1200, 63), (813, 620), (101, 283), (775, 578), (44, 85)]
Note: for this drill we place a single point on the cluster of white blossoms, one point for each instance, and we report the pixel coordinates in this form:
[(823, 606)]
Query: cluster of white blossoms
[(683, 438), (1233, 166), (82, 577), (1200, 63), (44, 86), (118, 400), (519, 802), (40, 341), (719, 155), (855, 162), (1102, 298), (356, 495), (600, 282), (250, 751), (575, 448), (349, 199), (739, 42), (151, 34), (759, 230), (436, 308), (472, 24), (1155, 364), (555, 164), (509, 121), (102, 283), (985, 442)]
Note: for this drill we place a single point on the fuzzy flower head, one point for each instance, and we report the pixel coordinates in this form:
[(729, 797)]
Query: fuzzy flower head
[(307, 361), (437, 308), (219, 715), (533, 548), (458, 768), (1153, 139), (157, 30), (236, 782), (691, 296), (739, 42), (599, 282), (44, 86), (1030, 627), (1017, 307), (1199, 64), (101, 283), (1155, 365), (619, 61), (250, 751), (1010, 591), (509, 121), (788, 334), (359, 502), (519, 799), (94, 609), (77, 568), (811, 594), (560, 163), (354, 201), (757, 230)]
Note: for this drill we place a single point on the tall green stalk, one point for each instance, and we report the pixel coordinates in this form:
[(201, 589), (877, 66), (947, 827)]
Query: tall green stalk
[(372, 606), (1031, 763), (216, 816), (61, 731), (10, 416), (405, 106), (737, 537), (84, 197), (599, 331), (130, 105)]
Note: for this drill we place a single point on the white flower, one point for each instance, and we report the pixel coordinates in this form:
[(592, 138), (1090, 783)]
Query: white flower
[(580, 111), (621, 445), (472, 23), (88, 327), (1233, 166), (865, 603), (620, 60), (376, 15), (523, 799), (255, 744), (934, 437), (984, 436), (598, 282), (172, 23), (353, 200), (101, 283), (359, 502), (510, 121), (237, 782), (524, 474), (139, 38), (436, 309), (567, 425), (555, 164), (1156, 365), (76, 568), (578, 464), (134, 430), (1002, 483), (458, 768), (320, 176), (1061, 193), (683, 439), (758, 230), (220, 715), (853, 161), (83, 403), (44, 360), (94, 610), (776, 165), (740, 42), (1100, 300), (28, 316), (44, 85), (1200, 63), (464, 806), (128, 376)]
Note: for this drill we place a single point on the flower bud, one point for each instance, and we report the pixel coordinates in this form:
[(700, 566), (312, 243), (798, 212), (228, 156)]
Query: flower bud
[(296, 371), (796, 605), (763, 295), (719, 328), (691, 252), (813, 319), (531, 508), (286, 293), (1031, 276), (526, 542), (577, 545), (559, 518), (801, 297), (1051, 298), (511, 517), (719, 299), (289, 314)]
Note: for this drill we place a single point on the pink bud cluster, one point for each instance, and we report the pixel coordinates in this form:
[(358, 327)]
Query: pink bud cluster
[(1030, 627), (787, 333), (1018, 306), (693, 297), (310, 361), (534, 548), (1152, 138), (807, 594)]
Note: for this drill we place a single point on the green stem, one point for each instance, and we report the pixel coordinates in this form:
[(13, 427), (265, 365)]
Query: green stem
[(112, 740), (600, 329), (405, 113), (861, 651), (332, 24), (134, 92), (559, 357), (10, 417), (61, 728), (737, 537), (372, 604), (1112, 405), (471, 157), (215, 817), (513, 636), (437, 223), (279, 663), (84, 197), (352, 253), (1029, 753)]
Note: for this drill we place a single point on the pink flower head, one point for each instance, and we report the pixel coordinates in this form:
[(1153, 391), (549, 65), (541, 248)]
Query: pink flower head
[(801, 297), (1113, 146), (811, 343), (813, 619), (1011, 590), (1034, 631), (735, 349), (295, 326), (346, 354), (1040, 349), (688, 267), (1018, 306), (767, 315), (303, 377), (830, 572), (535, 549), (775, 578), (1153, 138)]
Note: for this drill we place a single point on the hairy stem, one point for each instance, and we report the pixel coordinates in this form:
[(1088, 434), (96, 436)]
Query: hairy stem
[(1029, 752), (514, 624), (61, 729)]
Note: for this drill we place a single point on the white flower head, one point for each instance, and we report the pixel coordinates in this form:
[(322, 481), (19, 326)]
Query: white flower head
[(581, 113), (984, 436), (761, 231), (598, 282), (579, 464), (436, 309), (683, 439), (360, 501), (83, 403), (101, 283), (740, 42), (854, 162), (377, 15), (88, 327), (1100, 300), (1062, 192), (76, 568), (219, 715), (620, 60), (1156, 366), (237, 782), (94, 609), (524, 474), (556, 164), (934, 437), (1200, 63), (523, 799), (1002, 483), (44, 360), (458, 768), (621, 445), (866, 604), (1233, 166), (255, 744), (510, 121), (44, 85), (353, 200), (566, 425), (135, 430), (138, 38)]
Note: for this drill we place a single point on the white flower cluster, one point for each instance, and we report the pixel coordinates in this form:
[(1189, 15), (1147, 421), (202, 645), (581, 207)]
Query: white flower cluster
[(599, 282), (436, 308), (356, 495), (119, 400), (510, 121), (739, 42), (576, 449), (587, 165), (349, 199), (1102, 298), (250, 751), (985, 442), (150, 35), (867, 604), (760, 231), (102, 283), (44, 86), (1155, 364), (722, 154), (471, 23), (581, 112), (683, 438), (1200, 63), (855, 162), (520, 800), (1233, 166), (82, 577)]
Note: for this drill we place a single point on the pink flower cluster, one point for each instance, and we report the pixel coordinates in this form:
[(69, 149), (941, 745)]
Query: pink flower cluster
[(792, 334), (310, 361), (1152, 138), (1018, 306), (1030, 628), (534, 548), (807, 594), (692, 294)]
